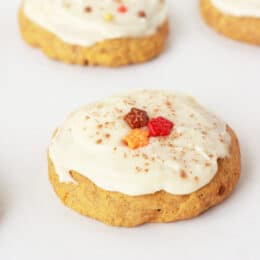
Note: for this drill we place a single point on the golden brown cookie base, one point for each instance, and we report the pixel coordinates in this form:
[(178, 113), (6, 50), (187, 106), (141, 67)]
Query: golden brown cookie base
[(118, 209), (242, 29), (112, 53)]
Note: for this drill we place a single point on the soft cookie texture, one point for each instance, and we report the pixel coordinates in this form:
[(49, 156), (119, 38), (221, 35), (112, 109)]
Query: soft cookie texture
[(118, 209), (110, 52), (246, 29)]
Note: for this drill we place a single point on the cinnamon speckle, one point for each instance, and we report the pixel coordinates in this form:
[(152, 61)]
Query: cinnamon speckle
[(168, 103), (88, 9), (145, 156), (221, 140), (99, 141), (138, 169), (207, 164), (99, 106), (142, 14), (107, 136), (183, 174), (95, 114)]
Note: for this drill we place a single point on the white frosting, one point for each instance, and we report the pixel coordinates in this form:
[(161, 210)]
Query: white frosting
[(90, 142), (70, 22), (240, 8)]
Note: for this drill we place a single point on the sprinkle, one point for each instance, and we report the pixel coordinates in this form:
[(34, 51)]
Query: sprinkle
[(122, 9), (136, 118), (160, 126), (108, 17), (137, 138)]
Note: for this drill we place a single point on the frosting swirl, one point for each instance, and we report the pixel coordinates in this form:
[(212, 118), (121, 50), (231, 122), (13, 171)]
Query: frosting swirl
[(86, 22), (90, 142)]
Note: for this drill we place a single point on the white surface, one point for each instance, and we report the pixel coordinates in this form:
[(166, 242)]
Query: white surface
[(37, 93)]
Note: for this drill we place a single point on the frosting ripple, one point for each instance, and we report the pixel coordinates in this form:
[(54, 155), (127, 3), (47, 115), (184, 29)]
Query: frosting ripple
[(240, 8), (90, 142), (86, 22)]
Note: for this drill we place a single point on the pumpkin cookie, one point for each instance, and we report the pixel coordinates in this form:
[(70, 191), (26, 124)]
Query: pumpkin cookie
[(237, 19), (146, 156), (109, 33)]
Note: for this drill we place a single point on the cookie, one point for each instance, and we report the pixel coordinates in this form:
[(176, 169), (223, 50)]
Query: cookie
[(144, 156), (109, 33), (239, 20)]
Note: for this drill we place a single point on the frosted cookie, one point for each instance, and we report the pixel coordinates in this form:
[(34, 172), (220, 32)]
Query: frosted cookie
[(94, 32), (237, 19), (145, 156)]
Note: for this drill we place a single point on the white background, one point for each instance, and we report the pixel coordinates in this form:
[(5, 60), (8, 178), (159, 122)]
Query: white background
[(36, 94)]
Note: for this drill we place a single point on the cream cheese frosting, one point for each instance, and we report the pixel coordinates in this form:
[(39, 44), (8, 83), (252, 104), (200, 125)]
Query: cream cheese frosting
[(240, 8), (86, 22), (90, 142)]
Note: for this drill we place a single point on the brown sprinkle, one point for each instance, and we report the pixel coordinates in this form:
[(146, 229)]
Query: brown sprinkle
[(136, 118)]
